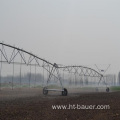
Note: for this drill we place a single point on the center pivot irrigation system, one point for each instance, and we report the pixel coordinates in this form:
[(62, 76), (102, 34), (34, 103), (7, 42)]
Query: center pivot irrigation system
[(13, 55)]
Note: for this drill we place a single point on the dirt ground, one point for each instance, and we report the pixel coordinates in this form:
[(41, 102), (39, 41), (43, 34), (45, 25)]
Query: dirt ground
[(31, 104)]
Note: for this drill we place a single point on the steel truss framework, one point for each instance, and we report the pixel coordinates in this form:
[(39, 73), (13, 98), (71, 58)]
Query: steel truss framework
[(14, 55)]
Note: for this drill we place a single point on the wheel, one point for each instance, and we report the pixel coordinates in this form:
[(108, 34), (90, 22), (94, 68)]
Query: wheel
[(107, 89), (65, 92), (45, 91)]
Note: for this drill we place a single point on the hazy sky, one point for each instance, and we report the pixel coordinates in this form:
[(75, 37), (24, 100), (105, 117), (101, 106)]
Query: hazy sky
[(79, 32)]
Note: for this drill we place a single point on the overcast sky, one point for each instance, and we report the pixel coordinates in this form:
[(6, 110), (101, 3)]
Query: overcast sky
[(78, 32)]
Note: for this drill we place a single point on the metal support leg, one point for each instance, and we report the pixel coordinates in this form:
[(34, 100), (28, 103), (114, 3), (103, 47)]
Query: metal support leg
[(43, 75), (20, 72), (13, 72), (0, 73), (35, 77), (30, 76)]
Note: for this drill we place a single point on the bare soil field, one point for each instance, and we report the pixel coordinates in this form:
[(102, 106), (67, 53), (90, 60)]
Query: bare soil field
[(31, 104)]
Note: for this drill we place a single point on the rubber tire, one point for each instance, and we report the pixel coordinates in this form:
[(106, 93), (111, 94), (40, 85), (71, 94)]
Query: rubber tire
[(65, 92), (45, 92), (107, 89)]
